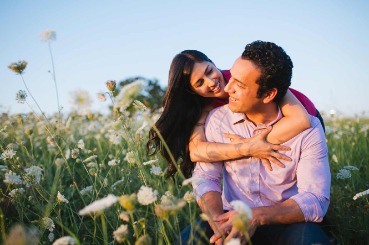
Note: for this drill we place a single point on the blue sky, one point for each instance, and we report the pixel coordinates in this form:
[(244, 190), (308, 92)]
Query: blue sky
[(102, 40)]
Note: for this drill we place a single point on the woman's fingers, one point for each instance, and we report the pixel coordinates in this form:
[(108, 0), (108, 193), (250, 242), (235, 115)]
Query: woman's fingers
[(267, 164), (280, 156), (280, 147)]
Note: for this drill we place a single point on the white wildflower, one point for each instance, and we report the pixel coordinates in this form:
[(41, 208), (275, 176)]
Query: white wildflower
[(48, 35), (21, 96), (50, 140), (113, 162), (115, 138), (65, 240), (139, 105), (151, 162), (51, 236), (81, 101), (352, 168), (130, 157), (121, 233), (3, 168), (146, 195), (47, 223), (361, 194), (124, 216), (8, 154), (81, 144), (334, 158), (33, 174), (127, 95), (233, 241), (16, 193), (67, 153), (189, 196), (344, 174), (60, 198), (75, 153), (87, 190), (101, 97), (12, 178), (242, 208), (143, 126), (99, 205), (156, 170)]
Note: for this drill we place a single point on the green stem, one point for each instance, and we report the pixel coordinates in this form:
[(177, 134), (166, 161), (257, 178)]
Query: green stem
[(104, 229), (2, 226)]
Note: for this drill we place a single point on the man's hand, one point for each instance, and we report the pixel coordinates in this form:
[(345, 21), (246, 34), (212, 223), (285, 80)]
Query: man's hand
[(258, 147)]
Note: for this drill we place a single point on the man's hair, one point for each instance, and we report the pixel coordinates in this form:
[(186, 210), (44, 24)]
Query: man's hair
[(275, 66)]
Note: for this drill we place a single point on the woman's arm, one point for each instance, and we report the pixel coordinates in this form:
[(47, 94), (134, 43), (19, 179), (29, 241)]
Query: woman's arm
[(256, 146), (295, 120)]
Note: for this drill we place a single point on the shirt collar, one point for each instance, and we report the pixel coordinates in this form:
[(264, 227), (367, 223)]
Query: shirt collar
[(241, 117)]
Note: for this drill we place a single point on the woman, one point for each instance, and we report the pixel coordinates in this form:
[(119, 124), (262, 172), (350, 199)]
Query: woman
[(195, 87)]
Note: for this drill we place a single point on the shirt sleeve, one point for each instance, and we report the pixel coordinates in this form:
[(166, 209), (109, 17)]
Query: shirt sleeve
[(208, 175), (313, 176)]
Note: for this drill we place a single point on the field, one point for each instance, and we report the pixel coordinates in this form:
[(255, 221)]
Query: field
[(86, 178), (51, 169)]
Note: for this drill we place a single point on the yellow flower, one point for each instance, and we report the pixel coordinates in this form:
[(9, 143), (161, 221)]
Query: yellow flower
[(18, 67), (128, 202)]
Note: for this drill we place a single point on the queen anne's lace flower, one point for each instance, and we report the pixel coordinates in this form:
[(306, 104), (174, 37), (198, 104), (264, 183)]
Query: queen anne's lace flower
[(21, 96), (47, 223), (344, 174), (99, 205), (8, 154), (12, 178), (33, 174), (48, 35), (87, 190), (146, 195), (156, 170)]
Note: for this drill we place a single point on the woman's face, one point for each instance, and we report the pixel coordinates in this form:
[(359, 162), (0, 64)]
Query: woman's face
[(207, 80)]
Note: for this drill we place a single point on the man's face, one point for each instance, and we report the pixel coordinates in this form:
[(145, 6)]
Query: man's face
[(242, 87)]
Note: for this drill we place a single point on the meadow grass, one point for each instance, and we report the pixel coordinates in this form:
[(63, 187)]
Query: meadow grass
[(86, 178)]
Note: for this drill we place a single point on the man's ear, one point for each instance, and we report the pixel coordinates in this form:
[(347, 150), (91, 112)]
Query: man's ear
[(270, 95)]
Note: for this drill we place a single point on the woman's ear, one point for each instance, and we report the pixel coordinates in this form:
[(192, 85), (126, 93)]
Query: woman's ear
[(270, 95)]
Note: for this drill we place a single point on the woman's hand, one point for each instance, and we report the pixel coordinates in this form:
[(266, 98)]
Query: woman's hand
[(258, 147)]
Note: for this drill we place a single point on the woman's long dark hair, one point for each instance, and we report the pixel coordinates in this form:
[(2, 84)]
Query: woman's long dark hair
[(182, 109)]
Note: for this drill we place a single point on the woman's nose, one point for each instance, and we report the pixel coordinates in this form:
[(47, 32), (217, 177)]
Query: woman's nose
[(211, 82)]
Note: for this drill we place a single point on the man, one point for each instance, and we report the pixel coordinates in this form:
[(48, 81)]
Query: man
[(286, 203)]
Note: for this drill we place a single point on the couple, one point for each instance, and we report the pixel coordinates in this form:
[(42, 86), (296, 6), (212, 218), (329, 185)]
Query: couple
[(285, 202)]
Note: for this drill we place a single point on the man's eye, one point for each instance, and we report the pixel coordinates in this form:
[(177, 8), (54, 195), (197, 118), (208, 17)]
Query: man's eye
[(240, 85)]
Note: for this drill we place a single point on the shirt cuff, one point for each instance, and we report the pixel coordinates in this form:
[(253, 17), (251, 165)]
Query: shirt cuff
[(314, 207)]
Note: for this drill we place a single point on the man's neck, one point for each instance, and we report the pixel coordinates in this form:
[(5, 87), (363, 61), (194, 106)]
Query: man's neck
[(265, 115)]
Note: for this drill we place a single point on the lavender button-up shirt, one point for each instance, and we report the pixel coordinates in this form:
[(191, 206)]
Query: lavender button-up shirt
[(306, 179)]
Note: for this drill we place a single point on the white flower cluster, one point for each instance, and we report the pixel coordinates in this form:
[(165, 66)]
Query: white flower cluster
[(48, 35), (12, 178), (146, 195), (345, 173), (127, 94), (156, 170), (8, 154), (47, 223), (130, 157), (121, 233), (87, 190), (65, 240)]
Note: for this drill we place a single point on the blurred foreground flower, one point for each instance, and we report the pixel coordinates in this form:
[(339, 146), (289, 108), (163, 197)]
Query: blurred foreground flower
[(21, 235), (101, 97), (65, 240), (144, 240), (21, 96), (18, 67), (81, 101), (99, 205), (127, 95), (241, 220), (121, 233), (234, 241), (48, 35), (361, 194), (128, 202)]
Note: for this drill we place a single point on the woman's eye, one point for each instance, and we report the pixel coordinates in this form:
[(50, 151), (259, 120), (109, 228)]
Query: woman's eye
[(209, 71), (199, 83)]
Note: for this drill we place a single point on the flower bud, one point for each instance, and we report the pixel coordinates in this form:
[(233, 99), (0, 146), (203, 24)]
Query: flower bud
[(111, 84)]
